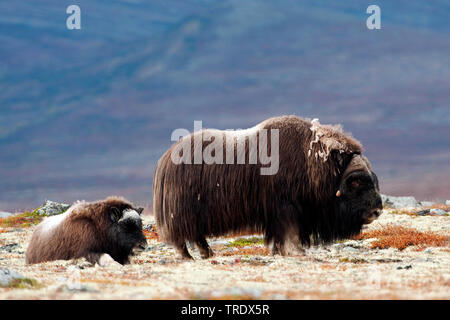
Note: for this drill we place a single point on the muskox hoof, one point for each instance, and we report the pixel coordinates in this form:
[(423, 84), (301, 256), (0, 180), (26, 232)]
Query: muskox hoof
[(204, 248), (183, 252), (186, 257), (205, 254), (279, 249)]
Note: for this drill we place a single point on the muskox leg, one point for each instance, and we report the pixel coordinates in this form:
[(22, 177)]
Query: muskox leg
[(93, 257), (102, 259), (183, 251), (283, 227), (277, 234), (278, 246), (203, 246)]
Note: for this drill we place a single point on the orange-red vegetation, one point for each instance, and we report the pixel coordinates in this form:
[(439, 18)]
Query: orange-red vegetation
[(392, 236), (151, 234), (25, 219)]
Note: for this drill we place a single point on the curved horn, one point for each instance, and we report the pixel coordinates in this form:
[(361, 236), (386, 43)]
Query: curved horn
[(358, 163)]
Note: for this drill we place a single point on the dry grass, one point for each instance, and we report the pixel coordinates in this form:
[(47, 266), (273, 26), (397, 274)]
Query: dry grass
[(440, 206), (404, 211), (392, 236)]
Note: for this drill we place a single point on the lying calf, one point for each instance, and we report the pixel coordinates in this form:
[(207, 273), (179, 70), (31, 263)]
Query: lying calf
[(98, 231)]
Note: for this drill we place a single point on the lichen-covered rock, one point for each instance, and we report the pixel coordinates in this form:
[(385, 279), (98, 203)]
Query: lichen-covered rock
[(7, 276), (423, 212), (10, 247), (400, 202), (438, 212), (51, 208)]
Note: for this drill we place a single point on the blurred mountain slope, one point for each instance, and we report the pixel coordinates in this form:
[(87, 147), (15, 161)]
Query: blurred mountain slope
[(87, 113)]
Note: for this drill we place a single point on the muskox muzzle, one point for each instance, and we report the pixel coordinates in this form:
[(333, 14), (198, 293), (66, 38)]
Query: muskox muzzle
[(139, 247), (372, 215)]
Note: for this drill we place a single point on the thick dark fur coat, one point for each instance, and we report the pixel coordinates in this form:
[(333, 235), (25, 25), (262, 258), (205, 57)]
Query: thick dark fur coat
[(308, 199), (112, 226)]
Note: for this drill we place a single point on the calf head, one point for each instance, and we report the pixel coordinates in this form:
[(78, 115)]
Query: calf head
[(126, 231)]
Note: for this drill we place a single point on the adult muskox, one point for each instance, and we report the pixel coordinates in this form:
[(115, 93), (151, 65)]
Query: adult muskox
[(323, 190), (99, 231)]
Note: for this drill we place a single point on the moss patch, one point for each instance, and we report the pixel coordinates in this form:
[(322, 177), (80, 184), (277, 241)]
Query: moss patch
[(25, 283), (243, 242)]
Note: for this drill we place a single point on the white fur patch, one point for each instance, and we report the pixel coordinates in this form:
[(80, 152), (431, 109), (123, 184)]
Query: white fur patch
[(50, 223), (130, 214), (323, 137)]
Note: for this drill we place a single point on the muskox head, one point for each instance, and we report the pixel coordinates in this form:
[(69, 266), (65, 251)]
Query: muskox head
[(126, 231), (358, 195)]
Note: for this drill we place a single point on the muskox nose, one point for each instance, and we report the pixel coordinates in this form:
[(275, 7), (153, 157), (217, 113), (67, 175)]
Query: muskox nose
[(139, 247), (372, 215), (375, 213)]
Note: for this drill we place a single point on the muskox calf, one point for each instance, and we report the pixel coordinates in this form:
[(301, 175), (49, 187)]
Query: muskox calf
[(111, 228), (324, 188)]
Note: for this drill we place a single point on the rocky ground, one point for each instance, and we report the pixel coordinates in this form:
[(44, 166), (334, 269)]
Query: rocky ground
[(244, 269)]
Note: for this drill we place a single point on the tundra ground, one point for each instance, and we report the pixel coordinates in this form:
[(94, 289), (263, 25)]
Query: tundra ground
[(244, 268)]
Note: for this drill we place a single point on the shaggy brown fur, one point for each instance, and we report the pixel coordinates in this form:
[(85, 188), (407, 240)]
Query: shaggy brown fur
[(194, 201), (87, 230)]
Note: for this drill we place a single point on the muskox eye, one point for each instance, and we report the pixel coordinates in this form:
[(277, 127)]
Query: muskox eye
[(356, 183)]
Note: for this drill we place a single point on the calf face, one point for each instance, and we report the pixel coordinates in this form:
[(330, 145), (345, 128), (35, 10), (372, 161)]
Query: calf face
[(126, 233)]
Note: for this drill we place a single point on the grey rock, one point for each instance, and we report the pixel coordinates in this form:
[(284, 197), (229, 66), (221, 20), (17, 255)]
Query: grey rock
[(148, 227), (219, 242), (337, 246), (353, 243), (8, 275), (157, 247), (438, 212), (400, 202), (350, 249), (51, 208), (10, 247), (405, 267), (427, 203), (4, 214), (278, 296), (423, 212), (76, 287), (236, 291)]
